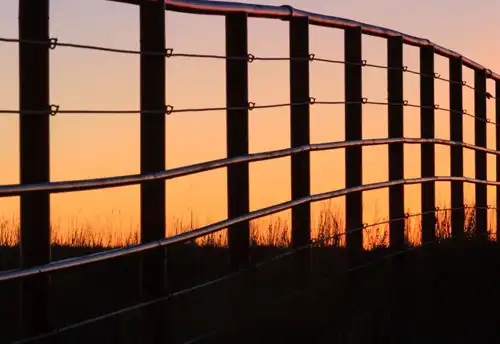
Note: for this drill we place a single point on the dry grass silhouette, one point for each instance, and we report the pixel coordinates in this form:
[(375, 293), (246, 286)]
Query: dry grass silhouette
[(328, 229)]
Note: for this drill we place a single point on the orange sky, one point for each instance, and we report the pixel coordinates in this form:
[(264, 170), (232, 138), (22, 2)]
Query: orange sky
[(85, 146)]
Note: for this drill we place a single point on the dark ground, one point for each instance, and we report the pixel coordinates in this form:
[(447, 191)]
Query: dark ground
[(448, 293)]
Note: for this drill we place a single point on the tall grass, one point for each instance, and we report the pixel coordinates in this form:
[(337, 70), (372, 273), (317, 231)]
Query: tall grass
[(328, 229)]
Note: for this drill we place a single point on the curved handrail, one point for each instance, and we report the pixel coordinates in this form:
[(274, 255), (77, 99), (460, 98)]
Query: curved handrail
[(285, 12), (133, 179), (216, 227)]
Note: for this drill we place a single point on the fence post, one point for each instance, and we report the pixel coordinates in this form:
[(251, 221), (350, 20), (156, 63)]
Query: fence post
[(427, 152), (152, 88), (300, 135), (396, 172), (237, 136), (497, 134), (396, 151), (34, 161), (457, 152), (353, 131), (480, 141)]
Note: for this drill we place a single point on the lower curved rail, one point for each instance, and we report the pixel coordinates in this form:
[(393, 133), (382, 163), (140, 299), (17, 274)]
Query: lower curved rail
[(209, 229)]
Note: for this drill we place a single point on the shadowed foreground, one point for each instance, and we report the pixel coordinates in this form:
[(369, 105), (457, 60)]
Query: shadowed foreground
[(447, 293)]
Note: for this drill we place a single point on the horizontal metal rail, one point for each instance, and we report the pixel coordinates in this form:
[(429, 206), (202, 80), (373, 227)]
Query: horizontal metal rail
[(118, 181), (206, 230), (286, 12)]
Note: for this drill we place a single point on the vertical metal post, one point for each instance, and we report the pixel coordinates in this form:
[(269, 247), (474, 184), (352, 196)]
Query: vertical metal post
[(152, 88), (480, 141), (396, 171), (497, 134), (237, 136), (396, 151), (34, 160), (457, 153), (427, 152), (353, 131), (300, 135)]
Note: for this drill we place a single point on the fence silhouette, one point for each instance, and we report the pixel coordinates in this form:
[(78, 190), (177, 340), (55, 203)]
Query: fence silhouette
[(35, 111)]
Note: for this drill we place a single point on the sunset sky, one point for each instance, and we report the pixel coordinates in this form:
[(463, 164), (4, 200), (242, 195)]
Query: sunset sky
[(89, 146)]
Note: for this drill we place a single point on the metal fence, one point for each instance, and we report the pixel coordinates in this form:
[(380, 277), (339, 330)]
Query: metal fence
[(35, 111)]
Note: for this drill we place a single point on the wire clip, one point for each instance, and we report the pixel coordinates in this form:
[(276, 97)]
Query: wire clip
[(52, 43), (53, 109)]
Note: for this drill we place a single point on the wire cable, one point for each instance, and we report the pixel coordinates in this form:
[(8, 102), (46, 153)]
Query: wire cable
[(169, 52), (54, 109)]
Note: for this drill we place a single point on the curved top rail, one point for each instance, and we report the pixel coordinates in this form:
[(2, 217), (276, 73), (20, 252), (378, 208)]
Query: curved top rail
[(284, 12)]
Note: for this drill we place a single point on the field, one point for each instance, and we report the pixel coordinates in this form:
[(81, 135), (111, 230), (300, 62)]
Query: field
[(438, 292)]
